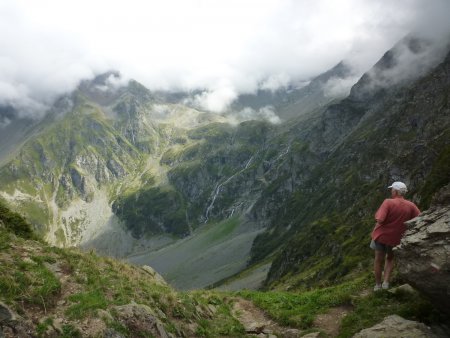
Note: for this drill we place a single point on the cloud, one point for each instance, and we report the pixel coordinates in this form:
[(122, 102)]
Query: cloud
[(266, 113), (337, 87), (4, 122), (227, 47), (274, 82), (215, 100)]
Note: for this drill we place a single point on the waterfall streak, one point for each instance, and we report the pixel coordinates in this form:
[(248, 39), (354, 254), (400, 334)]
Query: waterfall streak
[(219, 186)]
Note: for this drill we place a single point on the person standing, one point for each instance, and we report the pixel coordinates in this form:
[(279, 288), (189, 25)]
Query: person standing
[(388, 231)]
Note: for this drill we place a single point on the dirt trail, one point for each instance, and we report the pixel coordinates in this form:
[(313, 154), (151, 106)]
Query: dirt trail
[(257, 323), (330, 322)]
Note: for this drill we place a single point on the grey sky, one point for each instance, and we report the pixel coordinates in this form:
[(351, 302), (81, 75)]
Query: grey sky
[(225, 46)]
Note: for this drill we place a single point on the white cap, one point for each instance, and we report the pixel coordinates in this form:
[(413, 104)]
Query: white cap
[(399, 186)]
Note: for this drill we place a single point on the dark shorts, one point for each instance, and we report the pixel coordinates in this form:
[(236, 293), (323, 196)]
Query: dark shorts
[(380, 246)]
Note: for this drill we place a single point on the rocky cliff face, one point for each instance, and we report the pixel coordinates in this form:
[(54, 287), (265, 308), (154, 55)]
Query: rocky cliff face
[(424, 252)]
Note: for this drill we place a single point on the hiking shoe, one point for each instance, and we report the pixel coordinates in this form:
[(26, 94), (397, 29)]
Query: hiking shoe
[(385, 285), (377, 287)]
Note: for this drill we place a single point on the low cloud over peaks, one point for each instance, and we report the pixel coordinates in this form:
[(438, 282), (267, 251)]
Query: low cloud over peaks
[(224, 48)]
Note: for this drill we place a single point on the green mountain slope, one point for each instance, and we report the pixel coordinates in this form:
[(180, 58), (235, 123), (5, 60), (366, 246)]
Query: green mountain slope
[(70, 161), (404, 136), (50, 292)]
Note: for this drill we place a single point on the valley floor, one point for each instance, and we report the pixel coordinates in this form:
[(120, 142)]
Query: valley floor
[(212, 253)]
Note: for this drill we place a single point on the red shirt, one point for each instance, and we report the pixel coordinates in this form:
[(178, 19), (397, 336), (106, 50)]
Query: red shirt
[(391, 218)]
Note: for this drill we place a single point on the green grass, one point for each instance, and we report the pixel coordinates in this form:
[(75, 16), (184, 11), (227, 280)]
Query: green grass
[(222, 323), (144, 211), (86, 303), (102, 283), (221, 230), (300, 309), (69, 331), (28, 282)]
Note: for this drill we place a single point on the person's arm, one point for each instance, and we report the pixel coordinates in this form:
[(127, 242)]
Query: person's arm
[(380, 215), (415, 211)]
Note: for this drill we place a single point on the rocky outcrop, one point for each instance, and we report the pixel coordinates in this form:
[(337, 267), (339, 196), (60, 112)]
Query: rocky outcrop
[(156, 276), (12, 325), (395, 326), (424, 255), (139, 318)]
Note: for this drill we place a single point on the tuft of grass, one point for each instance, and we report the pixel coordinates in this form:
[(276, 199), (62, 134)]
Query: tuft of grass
[(41, 328), (5, 239), (222, 323), (70, 331), (86, 303)]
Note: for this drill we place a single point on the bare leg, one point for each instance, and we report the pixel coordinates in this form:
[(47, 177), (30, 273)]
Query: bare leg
[(378, 265), (388, 266)]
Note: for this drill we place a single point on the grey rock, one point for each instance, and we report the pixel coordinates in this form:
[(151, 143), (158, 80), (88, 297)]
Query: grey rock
[(58, 325), (140, 318), (12, 325), (212, 309), (111, 333), (55, 268), (158, 278), (29, 261), (442, 197), (312, 335), (61, 302), (254, 327), (394, 327), (405, 288), (105, 315), (18, 328), (291, 333), (423, 255), (160, 314), (6, 314)]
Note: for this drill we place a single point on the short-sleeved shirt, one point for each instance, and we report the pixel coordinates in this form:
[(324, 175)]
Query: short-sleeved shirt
[(391, 218)]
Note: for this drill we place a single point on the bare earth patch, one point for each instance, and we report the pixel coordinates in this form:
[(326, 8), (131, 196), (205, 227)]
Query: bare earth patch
[(256, 322), (330, 322)]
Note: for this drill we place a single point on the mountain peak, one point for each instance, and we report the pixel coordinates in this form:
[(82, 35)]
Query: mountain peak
[(409, 59)]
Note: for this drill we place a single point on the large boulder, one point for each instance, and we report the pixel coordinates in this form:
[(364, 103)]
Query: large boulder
[(424, 255), (395, 326)]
